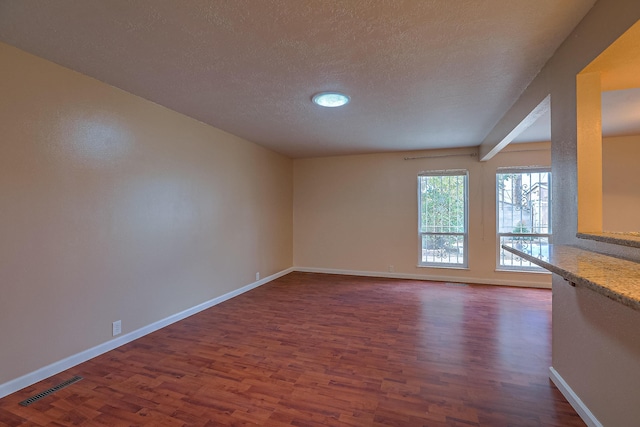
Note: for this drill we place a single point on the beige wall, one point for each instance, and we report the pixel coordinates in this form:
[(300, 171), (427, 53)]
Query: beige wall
[(597, 370), (359, 213), (621, 184), (114, 208), (597, 352)]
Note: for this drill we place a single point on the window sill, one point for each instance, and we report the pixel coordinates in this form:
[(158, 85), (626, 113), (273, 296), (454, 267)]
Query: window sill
[(506, 270), (444, 267)]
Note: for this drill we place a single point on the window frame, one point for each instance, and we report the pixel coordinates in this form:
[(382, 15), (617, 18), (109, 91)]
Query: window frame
[(465, 254), (533, 268)]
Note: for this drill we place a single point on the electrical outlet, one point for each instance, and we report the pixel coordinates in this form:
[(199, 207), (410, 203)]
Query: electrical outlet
[(258, 276), (391, 269), (117, 327)]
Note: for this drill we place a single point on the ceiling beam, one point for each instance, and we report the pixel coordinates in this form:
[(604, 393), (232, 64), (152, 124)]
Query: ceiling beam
[(527, 121)]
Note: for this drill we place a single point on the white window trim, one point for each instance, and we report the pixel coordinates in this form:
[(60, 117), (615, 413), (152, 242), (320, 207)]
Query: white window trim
[(525, 169), (465, 254)]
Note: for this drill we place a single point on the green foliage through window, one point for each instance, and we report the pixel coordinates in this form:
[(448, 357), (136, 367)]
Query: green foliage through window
[(442, 218)]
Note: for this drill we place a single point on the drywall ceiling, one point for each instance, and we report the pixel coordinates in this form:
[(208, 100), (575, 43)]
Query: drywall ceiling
[(619, 64), (421, 73)]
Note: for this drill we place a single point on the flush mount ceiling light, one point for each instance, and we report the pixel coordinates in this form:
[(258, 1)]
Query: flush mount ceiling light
[(330, 99)]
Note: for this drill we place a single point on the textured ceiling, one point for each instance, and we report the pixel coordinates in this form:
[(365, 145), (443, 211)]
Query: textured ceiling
[(421, 74)]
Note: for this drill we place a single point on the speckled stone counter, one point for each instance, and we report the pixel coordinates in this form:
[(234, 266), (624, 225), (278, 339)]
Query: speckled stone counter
[(624, 239), (614, 278)]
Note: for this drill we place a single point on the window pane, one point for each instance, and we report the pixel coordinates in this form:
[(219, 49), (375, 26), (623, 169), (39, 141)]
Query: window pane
[(442, 218), (443, 249), (442, 204), (532, 245), (523, 208), (523, 203)]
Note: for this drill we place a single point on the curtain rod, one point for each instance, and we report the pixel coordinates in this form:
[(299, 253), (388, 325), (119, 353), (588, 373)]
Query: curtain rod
[(442, 155), (473, 154), (523, 151)]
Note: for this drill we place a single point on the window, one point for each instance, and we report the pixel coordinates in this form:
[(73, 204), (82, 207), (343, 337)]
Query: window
[(524, 216), (442, 218)]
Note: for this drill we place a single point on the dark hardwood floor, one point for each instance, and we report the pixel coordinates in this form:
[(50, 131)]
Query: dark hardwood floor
[(324, 350)]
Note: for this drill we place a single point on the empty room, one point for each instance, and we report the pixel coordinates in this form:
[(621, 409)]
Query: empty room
[(319, 213)]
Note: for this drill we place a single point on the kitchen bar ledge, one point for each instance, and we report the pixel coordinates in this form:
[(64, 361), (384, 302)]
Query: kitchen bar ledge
[(623, 239), (614, 278)]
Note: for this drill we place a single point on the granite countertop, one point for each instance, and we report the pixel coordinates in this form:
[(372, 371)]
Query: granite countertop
[(614, 278), (624, 239)]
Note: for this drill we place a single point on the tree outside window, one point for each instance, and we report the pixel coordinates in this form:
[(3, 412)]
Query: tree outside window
[(442, 216)]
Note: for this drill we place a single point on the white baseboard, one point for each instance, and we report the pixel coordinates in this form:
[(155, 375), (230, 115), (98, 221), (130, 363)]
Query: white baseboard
[(71, 361), (454, 279), (573, 399)]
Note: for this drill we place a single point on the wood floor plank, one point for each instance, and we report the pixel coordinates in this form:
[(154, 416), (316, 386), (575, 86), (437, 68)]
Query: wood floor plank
[(325, 350)]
